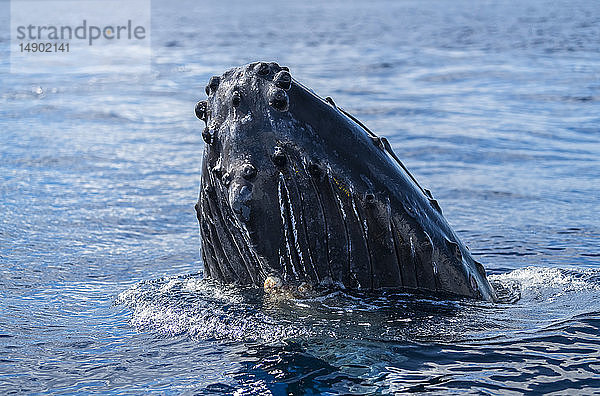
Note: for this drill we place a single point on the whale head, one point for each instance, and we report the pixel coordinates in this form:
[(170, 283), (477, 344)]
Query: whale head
[(293, 187)]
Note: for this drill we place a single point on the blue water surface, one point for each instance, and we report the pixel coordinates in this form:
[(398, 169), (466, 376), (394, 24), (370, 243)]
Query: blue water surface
[(493, 105)]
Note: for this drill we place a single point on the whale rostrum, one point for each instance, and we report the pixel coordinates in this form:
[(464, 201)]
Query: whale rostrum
[(296, 190)]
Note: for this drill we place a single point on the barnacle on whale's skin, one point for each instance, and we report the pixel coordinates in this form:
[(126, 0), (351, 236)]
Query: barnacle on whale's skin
[(296, 192), (272, 283)]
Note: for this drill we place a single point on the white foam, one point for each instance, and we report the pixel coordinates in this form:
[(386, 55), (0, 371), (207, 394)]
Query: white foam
[(201, 309), (533, 277), (549, 282)]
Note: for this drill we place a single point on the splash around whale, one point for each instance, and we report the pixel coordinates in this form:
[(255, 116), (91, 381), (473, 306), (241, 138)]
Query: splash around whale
[(296, 191)]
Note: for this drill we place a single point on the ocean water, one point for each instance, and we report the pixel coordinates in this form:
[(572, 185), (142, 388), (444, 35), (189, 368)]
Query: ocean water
[(493, 105)]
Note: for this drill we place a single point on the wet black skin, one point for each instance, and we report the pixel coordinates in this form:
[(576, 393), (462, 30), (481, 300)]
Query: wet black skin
[(294, 187)]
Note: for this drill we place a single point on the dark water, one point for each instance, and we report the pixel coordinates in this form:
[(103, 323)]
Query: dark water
[(495, 106)]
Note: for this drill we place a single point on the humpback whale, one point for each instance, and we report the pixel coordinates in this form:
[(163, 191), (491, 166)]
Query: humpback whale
[(295, 190)]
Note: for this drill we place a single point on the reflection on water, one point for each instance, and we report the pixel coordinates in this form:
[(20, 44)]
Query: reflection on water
[(493, 106)]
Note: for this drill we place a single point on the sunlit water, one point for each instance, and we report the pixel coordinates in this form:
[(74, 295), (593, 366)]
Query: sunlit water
[(494, 106)]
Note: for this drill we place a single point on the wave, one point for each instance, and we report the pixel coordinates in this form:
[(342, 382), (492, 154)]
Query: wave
[(531, 299), (200, 308)]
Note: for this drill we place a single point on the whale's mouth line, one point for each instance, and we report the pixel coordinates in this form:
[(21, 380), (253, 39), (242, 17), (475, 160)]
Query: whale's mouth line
[(296, 188)]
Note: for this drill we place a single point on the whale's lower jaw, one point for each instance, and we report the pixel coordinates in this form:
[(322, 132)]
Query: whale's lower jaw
[(293, 188)]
